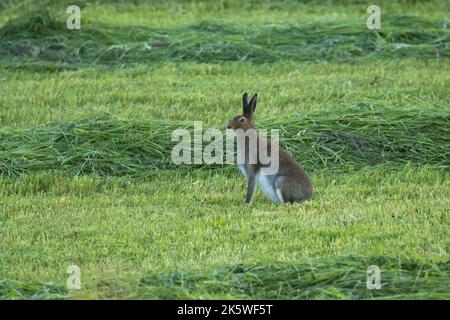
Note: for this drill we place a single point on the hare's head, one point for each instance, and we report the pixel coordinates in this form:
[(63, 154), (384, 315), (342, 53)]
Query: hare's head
[(243, 121)]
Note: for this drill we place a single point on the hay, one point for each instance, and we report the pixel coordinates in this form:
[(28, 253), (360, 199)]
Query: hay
[(40, 40), (103, 144)]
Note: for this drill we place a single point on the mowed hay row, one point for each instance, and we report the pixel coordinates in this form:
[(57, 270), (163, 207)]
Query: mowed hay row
[(40, 40), (103, 144), (319, 278)]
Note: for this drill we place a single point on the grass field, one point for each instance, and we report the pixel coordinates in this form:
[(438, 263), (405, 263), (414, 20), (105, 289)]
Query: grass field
[(85, 171)]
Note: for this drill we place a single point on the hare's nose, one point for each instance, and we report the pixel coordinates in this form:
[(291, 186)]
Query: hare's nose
[(228, 126)]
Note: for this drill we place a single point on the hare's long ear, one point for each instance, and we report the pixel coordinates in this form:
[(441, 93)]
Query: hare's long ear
[(245, 108), (252, 103)]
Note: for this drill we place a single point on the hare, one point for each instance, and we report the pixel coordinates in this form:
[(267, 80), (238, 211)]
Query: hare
[(289, 183)]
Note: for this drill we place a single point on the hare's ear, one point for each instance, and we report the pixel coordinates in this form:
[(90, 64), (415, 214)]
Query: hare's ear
[(245, 108), (252, 104)]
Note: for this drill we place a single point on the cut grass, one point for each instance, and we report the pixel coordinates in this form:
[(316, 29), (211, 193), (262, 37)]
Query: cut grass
[(41, 40), (212, 92), (173, 221), (331, 278), (108, 146), (16, 290), (87, 188), (320, 278)]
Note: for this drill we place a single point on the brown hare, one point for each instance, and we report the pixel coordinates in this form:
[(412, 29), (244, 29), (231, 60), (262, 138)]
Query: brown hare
[(289, 183)]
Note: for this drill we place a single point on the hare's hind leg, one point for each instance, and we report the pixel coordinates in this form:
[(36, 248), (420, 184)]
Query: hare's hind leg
[(279, 194), (267, 185), (289, 190), (280, 188)]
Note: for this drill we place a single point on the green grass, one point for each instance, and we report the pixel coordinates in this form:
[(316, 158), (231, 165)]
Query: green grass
[(320, 278), (121, 227), (85, 119), (42, 41), (212, 92), (108, 146), (336, 278)]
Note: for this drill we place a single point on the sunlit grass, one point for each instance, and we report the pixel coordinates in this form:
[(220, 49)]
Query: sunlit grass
[(212, 92), (85, 118), (177, 221)]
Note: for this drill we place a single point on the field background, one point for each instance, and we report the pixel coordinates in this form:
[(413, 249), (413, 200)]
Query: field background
[(85, 123)]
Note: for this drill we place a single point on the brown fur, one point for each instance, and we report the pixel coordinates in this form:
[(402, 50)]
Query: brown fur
[(289, 184)]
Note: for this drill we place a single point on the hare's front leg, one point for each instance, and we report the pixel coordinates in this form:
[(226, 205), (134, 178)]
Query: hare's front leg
[(251, 184)]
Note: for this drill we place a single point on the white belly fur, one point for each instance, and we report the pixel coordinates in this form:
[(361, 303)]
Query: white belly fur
[(266, 183)]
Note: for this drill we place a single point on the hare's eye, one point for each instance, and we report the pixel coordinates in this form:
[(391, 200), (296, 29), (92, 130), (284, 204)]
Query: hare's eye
[(242, 120)]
